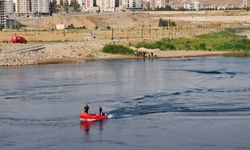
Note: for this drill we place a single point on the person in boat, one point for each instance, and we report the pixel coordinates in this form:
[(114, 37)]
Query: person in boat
[(100, 110), (86, 109)]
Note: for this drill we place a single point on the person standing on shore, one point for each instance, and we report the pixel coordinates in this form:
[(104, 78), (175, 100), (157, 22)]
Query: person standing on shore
[(86, 109)]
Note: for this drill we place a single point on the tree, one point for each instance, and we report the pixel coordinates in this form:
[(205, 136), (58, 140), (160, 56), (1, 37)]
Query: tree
[(53, 5), (166, 23), (66, 3), (75, 5), (66, 6), (61, 2), (1, 27), (162, 23)]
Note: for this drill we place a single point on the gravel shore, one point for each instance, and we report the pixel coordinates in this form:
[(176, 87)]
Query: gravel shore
[(77, 52)]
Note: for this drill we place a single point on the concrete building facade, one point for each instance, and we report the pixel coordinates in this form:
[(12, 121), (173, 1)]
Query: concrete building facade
[(106, 5), (134, 5), (194, 5), (58, 2), (40, 7), (87, 5), (2, 13), (153, 4), (23, 7), (9, 7)]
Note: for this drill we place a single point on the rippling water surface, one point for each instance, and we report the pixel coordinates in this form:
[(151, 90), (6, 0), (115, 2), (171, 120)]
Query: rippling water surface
[(197, 103)]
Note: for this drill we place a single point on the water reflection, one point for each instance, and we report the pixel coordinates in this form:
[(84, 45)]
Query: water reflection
[(86, 126)]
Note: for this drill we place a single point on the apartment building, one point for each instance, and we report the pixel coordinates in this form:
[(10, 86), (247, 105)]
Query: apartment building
[(164, 3), (40, 7), (23, 7), (146, 5), (106, 5), (2, 13), (87, 5), (58, 2), (158, 3), (9, 7), (193, 5), (134, 5), (153, 4)]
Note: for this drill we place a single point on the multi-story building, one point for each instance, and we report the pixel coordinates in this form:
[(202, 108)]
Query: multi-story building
[(9, 7), (246, 3), (40, 7), (146, 5), (2, 13), (87, 5), (58, 2), (120, 3), (153, 4), (134, 5), (194, 5), (164, 3), (106, 5), (158, 3), (23, 7)]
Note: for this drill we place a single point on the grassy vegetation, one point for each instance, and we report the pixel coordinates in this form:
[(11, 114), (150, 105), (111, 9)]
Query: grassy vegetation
[(117, 49), (224, 40)]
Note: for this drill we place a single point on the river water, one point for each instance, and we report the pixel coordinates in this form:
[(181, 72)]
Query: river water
[(190, 104)]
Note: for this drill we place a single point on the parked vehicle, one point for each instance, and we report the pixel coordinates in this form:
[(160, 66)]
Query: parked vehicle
[(18, 39)]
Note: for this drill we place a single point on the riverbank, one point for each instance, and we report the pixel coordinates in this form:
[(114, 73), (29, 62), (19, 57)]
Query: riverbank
[(224, 43), (79, 52)]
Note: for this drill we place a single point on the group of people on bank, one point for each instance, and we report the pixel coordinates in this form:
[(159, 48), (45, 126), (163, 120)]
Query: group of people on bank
[(86, 110), (144, 55)]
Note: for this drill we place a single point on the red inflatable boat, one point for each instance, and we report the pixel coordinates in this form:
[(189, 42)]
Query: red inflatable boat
[(91, 117)]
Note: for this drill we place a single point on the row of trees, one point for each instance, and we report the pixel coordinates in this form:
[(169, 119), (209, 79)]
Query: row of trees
[(166, 23), (169, 8)]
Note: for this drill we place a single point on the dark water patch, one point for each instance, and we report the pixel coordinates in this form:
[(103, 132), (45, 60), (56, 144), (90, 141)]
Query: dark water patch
[(205, 72), (109, 101), (157, 95), (179, 59), (230, 73), (223, 90), (60, 85), (214, 72), (163, 95), (11, 97), (69, 85)]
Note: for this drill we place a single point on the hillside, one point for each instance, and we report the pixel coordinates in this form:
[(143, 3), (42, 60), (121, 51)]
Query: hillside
[(131, 20)]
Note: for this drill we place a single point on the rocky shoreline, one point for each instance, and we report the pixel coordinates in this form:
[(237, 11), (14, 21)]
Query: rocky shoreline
[(79, 52)]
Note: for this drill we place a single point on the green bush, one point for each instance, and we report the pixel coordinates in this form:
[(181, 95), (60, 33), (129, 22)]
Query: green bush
[(200, 46), (163, 44), (1, 27), (235, 44), (117, 49), (224, 40)]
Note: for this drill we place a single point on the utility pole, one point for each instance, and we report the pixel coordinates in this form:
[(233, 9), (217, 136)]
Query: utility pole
[(142, 32), (112, 33)]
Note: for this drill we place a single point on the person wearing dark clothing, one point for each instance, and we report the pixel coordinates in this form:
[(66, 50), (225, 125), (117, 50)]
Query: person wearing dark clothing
[(100, 110), (86, 109)]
